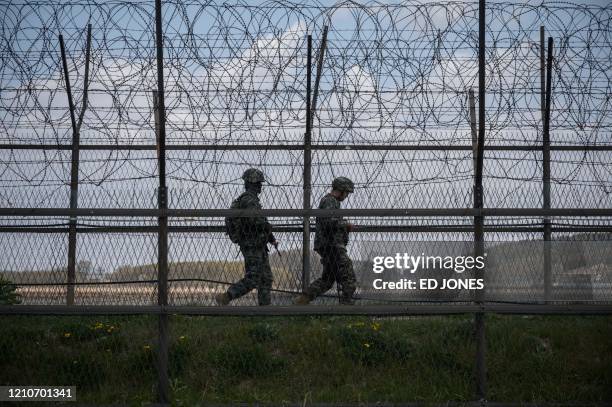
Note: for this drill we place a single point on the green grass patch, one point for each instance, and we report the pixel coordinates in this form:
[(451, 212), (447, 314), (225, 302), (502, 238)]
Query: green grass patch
[(313, 359)]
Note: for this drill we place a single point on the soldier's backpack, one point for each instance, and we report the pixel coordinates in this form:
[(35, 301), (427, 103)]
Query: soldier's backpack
[(232, 223)]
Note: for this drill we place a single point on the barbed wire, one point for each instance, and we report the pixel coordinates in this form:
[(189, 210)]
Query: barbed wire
[(236, 74)]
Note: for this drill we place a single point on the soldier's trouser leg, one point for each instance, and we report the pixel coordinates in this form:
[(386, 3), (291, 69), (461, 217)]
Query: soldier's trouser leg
[(325, 282), (345, 275), (265, 281), (253, 265)]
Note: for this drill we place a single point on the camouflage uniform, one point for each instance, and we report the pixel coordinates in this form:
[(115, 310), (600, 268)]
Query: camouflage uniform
[(330, 242), (255, 234)]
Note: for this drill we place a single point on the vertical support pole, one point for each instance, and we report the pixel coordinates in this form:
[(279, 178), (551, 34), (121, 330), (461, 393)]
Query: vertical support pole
[(157, 120), (74, 171), (542, 72), (307, 172), (320, 59), (310, 112), (472, 111), (162, 199), (479, 317), (74, 182), (546, 176)]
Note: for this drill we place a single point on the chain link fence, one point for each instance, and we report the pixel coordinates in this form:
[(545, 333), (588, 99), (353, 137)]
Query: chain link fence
[(150, 139)]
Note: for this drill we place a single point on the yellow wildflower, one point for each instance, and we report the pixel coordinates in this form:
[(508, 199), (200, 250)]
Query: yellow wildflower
[(147, 347), (67, 334), (367, 345)]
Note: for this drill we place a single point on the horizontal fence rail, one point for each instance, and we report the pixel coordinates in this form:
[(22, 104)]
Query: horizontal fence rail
[(373, 310), (420, 212), (357, 229), (299, 147)]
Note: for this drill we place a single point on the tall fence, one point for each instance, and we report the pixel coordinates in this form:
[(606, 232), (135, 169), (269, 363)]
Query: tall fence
[(127, 125)]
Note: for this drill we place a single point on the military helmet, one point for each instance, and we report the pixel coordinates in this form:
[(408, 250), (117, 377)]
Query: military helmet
[(253, 175), (343, 184)]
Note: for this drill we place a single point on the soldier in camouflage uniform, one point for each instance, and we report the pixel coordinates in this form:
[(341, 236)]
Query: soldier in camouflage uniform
[(330, 242), (252, 235)]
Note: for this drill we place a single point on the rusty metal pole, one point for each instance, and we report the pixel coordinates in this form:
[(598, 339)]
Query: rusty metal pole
[(542, 72), (472, 117), (86, 78), (546, 176), (74, 182), (311, 106), (163, 387), (307, 172), (320, 59), (157, 120), (479, 317), (74, 170)]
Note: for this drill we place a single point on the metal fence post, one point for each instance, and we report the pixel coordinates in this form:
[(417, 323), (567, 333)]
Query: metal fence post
[(74, 170), (546, 176), (311, 107), (162, 199), (472, 117), (307, 173), (479, 317), (542, 72), (320, 59)]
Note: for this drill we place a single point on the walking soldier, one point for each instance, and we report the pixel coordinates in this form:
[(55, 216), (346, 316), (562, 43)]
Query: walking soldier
[(252, 234), (331, 239)]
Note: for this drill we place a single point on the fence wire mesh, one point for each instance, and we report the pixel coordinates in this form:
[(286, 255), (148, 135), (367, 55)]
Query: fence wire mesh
[(392, 113), (120, 268)]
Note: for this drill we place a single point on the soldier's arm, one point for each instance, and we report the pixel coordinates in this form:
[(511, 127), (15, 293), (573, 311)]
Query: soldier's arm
[(334, 221), (256, 222)]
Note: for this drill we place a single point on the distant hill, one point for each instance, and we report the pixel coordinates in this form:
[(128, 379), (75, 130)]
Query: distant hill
[(83, 273)]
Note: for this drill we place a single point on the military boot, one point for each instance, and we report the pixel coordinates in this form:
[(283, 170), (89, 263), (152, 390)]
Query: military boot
[(302, 299), (222, 298)]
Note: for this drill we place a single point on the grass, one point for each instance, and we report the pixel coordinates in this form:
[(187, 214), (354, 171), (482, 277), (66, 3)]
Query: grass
[(317, 359)]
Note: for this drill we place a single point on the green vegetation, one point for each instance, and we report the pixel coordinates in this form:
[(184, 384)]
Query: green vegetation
[(8, 295), (311, 359)]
